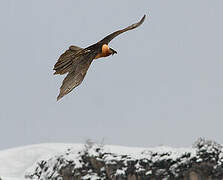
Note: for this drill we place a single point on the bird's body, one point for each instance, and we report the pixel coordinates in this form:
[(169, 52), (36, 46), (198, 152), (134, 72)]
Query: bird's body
[(76, 61)]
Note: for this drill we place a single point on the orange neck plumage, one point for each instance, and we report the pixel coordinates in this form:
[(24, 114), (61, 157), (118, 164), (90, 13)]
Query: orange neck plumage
[(105, 51)]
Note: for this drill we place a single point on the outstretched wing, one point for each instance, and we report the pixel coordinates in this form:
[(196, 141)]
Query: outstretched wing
[(78, 71), (111, 36), (73, 79)]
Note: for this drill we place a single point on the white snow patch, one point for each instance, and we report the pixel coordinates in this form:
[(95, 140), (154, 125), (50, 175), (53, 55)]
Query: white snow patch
[(15, 162)]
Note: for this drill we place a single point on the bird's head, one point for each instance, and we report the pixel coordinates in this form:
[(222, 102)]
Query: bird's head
[(106, 51)]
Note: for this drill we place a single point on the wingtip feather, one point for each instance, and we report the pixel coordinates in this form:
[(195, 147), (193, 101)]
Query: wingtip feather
[(142, 20), (59, 97)]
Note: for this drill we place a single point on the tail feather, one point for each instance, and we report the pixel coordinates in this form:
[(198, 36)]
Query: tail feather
[(64, 62)]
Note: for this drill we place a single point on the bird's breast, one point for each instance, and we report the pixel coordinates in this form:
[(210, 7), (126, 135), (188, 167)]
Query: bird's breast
[(99, 55), (102, 54)]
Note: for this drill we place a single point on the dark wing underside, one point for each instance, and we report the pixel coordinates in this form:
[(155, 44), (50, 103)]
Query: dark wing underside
[(111, 36), (77, 73), (65, 61), (73, 79)]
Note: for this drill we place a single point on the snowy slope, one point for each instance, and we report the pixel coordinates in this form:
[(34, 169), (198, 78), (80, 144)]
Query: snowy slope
[(44, 161), (14, 162)]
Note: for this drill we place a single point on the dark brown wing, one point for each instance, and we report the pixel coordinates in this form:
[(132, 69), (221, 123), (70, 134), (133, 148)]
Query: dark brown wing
[(78, 71), (73, 79), (111, 36), (64, 63)]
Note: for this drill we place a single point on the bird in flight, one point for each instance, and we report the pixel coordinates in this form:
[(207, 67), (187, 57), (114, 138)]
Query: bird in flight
[(75, 61)]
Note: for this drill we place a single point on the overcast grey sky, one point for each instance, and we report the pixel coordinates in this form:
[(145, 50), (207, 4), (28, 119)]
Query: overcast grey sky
[(165, 85)]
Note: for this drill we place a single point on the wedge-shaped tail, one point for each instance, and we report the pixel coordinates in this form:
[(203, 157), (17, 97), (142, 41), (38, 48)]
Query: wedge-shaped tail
[(64, 63)]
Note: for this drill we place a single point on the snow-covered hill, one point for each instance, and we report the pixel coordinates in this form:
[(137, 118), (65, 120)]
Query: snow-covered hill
[(92, 161), (15, 162)]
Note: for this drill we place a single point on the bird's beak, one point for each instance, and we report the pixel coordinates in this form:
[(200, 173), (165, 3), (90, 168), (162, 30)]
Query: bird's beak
[(113, 51)]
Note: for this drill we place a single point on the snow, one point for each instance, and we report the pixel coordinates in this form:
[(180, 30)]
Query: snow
[(110, 155), (18, 163), (15, 162)]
